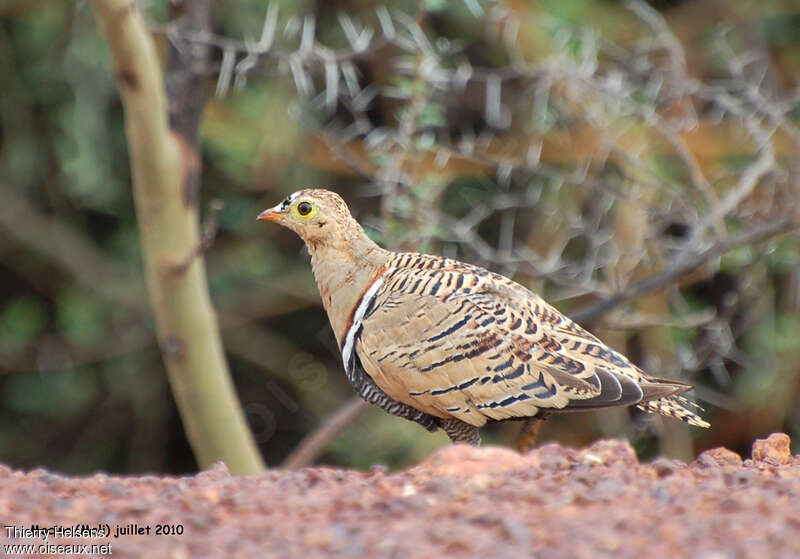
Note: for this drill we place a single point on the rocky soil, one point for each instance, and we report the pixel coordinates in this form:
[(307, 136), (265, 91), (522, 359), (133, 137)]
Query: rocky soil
[(461, 502)]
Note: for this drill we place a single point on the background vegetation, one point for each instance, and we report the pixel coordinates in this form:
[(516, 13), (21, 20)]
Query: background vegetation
[(638, 165)]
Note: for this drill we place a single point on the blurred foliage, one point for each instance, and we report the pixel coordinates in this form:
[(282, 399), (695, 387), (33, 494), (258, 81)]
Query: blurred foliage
[(82, 387)]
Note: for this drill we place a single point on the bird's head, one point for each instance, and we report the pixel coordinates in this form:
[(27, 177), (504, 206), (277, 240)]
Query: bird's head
[(314, 214)]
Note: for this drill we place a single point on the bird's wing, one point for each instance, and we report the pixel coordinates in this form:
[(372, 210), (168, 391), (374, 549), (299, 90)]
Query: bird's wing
[(456, 340)]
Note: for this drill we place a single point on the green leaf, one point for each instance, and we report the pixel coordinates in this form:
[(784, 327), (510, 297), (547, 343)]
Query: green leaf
[(431, 115), (435, 5), (56, 394), (79, 317), (426, 141), (379, 159), (21, 321)]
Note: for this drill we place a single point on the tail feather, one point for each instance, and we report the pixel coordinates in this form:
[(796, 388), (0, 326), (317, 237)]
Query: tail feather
[(674, 406)]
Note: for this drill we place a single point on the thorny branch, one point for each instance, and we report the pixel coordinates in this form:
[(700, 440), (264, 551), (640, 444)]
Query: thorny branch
[(682, 267), (549, 214)]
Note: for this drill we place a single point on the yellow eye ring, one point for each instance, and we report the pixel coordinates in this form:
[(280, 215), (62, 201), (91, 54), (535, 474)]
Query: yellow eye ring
[(304, 210)]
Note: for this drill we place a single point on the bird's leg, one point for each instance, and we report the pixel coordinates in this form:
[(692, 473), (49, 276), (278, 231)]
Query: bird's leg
[(528, 434), (460, 432)]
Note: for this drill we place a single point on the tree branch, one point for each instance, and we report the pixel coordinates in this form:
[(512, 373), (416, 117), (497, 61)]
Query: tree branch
[(684, 266), (309, 449), (57, 241), (187, 71), (168, 224)]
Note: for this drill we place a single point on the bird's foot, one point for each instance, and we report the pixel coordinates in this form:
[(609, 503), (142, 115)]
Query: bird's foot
[(528, 434)]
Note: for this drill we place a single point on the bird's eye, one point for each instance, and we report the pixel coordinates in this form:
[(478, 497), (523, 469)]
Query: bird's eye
[(304, 208)]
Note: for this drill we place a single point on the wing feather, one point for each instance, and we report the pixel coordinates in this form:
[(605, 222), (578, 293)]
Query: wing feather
[(455, 340)]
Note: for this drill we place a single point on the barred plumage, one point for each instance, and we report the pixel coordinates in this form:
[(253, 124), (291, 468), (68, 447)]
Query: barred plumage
[(452, 345)]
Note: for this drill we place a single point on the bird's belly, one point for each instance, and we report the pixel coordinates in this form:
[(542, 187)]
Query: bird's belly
[(395, 380)]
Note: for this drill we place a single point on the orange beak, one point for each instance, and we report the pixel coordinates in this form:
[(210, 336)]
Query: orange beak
[(269, 215)]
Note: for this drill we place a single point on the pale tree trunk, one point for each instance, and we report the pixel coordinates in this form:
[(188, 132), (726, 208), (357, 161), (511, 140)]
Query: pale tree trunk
[(165, 169)]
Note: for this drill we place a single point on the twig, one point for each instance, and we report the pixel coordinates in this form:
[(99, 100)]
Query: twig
[(69, 249), (314, 444), (638, 320), (210, 228), (690, 263)]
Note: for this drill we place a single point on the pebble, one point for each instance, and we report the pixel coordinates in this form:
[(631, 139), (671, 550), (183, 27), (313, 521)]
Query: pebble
[(774, 450)]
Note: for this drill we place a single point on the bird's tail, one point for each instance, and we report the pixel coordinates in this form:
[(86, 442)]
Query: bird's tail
[(677, 407)]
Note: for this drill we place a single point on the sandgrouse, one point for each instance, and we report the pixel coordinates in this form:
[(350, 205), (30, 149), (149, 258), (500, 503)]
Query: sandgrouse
[(451, 345)]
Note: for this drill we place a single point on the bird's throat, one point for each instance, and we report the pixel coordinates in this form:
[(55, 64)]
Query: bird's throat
[(343, 274)]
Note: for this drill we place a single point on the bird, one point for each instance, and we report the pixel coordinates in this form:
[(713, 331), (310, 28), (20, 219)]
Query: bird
[(453, 346)]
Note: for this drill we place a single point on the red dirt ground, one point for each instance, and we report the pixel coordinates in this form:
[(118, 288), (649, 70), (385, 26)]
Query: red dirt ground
[(466, 502)]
